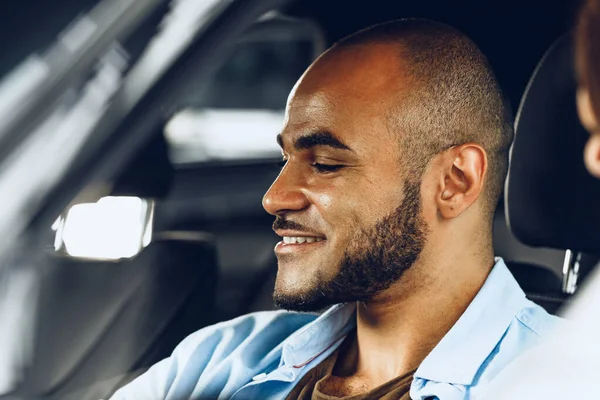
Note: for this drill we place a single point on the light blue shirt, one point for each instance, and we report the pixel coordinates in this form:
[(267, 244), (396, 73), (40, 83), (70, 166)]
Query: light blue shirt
[(264, 355)]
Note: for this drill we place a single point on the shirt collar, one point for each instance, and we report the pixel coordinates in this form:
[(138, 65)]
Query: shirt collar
[(457, 357), (317, 337), (463, 350)]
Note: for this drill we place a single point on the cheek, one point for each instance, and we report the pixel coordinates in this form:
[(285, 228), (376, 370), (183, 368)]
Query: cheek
[(350, 207), (340, 210), (430, 193), (325, 200)]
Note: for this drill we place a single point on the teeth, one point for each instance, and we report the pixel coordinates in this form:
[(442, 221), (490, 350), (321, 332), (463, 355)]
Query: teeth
[(300, 239)]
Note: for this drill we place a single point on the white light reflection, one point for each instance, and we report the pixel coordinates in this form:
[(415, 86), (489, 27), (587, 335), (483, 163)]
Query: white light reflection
[(111, 229), (211, 134)]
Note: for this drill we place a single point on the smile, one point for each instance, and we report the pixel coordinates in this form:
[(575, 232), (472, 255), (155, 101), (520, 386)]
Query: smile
[(298, 244), (300, 239)]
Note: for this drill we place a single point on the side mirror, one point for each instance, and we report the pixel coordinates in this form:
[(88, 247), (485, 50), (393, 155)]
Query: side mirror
[(111, 229)]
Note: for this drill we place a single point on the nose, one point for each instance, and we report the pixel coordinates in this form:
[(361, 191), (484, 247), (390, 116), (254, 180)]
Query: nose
[(286, 194)]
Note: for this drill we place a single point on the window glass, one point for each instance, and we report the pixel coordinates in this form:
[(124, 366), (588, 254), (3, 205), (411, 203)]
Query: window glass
[(237, 115)]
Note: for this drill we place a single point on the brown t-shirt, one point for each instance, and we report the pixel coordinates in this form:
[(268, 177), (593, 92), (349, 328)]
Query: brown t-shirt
[(312, 385)]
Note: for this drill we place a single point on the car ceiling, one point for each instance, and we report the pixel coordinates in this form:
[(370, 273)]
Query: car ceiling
[(513, 34)]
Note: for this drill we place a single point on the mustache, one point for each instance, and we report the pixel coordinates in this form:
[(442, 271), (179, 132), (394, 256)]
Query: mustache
[(282, 223)]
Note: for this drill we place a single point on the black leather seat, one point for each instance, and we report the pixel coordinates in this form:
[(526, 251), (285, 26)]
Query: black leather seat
[(551, 200)]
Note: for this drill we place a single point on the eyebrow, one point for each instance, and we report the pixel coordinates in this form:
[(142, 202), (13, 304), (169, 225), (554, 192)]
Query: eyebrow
[(316, 139)]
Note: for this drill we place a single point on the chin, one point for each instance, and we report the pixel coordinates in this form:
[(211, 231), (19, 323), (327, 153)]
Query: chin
[(299, 305), (307, 300)]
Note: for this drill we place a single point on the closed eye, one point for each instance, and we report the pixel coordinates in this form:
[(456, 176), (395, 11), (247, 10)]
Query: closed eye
[(325, 168)]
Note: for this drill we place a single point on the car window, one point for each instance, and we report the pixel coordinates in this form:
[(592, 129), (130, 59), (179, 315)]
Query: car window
[(233, 116), (61, 95), (236, 115)]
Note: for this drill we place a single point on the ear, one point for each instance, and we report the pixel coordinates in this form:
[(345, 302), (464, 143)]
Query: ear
[(590, 122), (585, 111), (462, 180), (592, 155)]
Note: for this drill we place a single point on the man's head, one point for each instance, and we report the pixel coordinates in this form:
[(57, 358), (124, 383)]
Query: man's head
[(392, 134)]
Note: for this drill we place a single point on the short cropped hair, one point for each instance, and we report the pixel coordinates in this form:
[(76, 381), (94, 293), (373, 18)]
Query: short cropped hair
[(453, 98)]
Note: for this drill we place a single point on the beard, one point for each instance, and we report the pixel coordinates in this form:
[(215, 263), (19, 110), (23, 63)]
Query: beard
[(376, 258)]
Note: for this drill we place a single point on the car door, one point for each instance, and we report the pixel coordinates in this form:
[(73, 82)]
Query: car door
[(74, 117)]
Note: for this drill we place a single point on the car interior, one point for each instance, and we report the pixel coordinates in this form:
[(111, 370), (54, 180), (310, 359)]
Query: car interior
[(212, 155)]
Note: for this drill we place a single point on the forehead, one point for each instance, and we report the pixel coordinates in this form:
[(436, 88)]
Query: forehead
[(349, 93)]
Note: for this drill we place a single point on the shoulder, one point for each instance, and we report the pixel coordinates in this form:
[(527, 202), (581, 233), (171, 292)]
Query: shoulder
[(208, 353), (530, 326), (535, 319), (270, 328)]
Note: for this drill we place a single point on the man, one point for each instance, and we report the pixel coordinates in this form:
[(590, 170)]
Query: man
[(395, 144)]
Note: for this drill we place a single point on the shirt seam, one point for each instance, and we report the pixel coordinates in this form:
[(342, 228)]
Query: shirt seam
[(518, 317)]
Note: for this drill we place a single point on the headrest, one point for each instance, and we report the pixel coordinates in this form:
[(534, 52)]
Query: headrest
[(551, 199)]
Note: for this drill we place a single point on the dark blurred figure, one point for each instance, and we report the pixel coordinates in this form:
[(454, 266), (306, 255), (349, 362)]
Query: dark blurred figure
[(567, 365), (588, 71)]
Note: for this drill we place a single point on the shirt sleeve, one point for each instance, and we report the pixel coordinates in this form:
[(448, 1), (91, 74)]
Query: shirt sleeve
[(150, 385), (202, 362), (179, 373)]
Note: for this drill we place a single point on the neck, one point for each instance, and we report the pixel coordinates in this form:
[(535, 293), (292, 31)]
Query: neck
[(399, 328)]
